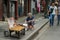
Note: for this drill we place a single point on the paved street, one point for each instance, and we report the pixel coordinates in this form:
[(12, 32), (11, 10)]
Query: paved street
[(49, 33), (4, 26), (52, 33)]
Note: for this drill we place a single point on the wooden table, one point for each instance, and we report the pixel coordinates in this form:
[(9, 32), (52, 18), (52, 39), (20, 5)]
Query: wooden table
[(17, 29)]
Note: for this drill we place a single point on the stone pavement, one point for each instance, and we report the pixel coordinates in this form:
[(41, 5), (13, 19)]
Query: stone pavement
[(21, 19), (52, 33), (37, 26), (39, 23)]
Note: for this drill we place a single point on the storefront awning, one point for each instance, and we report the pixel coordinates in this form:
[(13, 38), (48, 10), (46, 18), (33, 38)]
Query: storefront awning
[(13, 0)]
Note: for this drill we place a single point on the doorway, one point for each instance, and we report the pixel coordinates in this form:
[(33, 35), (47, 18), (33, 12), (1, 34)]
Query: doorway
[(5, 8), (12, 8)]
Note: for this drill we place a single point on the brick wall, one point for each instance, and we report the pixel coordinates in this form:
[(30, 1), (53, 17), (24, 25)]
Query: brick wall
[(1, 9)]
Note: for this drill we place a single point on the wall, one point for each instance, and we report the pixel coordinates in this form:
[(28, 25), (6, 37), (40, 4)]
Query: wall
[(1, 9)]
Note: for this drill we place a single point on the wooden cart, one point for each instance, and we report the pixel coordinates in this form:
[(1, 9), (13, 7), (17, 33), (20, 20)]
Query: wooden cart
[(19, 29)]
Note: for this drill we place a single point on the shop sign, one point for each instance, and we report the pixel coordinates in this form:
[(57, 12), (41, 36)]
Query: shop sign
[(13, 0)]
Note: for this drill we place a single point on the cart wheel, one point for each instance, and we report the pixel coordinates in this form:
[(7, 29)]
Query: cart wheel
[(18, 35), (23, 32), (6, 33)]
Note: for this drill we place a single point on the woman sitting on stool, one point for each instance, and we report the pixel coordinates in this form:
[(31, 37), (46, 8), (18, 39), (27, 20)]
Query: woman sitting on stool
[(30, 21)]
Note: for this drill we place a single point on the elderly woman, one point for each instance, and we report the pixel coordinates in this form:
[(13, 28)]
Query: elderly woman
[(30, 21), (11, 22)]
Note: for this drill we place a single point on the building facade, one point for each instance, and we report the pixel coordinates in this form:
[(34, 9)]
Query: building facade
[(4, 8), (16, 8), (8, 8), (1, 9)]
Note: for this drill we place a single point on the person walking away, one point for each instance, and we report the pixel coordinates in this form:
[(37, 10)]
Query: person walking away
[(58, 16), (52, 12)]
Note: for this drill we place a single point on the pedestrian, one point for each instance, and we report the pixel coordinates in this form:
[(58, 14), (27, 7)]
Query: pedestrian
[(30, 21), (52, 12), (56, 3), (58, 16)]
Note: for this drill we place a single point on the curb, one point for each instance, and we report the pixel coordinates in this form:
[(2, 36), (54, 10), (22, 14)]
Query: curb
[(35, 32)]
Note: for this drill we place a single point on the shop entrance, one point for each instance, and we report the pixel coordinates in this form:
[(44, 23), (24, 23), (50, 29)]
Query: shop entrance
[(5, 8), (12, 8)]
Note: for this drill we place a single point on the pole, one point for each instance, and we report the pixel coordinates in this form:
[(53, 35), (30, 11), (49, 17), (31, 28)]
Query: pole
[(25, 7), (16, 9), (8, 6)]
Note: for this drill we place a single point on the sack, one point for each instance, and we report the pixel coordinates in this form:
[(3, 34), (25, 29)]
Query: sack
[(25, 24), (6, 33)]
